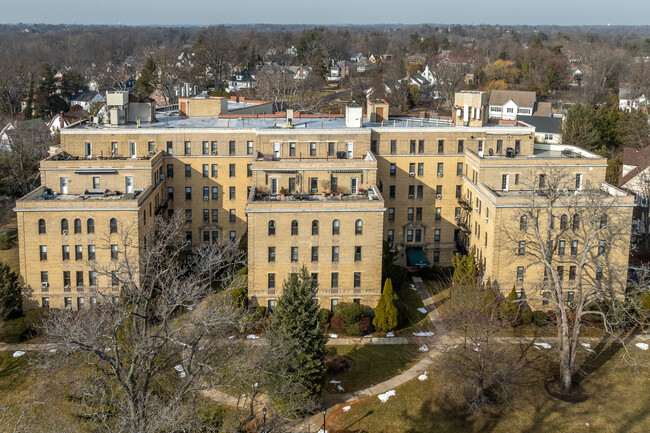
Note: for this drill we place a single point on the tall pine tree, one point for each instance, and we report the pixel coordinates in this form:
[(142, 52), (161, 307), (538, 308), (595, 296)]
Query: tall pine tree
[(296, 331), (386, 316)]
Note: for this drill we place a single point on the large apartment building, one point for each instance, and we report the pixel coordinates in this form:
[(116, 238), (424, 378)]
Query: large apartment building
[(312, 190)]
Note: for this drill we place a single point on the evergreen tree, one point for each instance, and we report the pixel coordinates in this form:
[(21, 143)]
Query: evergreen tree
[(386, 317), (465, 269), (509, 309), (296, 331), (72, 82), (146, 84), (10, 297)]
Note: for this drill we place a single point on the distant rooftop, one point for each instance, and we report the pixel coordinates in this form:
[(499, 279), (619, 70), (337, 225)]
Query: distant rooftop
[(45, 194)]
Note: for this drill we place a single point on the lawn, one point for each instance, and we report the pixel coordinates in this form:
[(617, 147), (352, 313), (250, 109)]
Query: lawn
[(413, 319), (618, 401), (10, 257), (373, 364)]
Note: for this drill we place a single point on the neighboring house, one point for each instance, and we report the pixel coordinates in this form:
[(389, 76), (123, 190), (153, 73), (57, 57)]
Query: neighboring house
[(512, 104), (629, 100), (382, 58), (86, 99), (634, 177), (62, 120), (242, 80), (425, 82), (363, 65), (37, 129), (300, 72), (357, 57), (547, 129), (339, 70)]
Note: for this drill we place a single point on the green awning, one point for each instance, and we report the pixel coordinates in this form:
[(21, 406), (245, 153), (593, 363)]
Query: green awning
[(416, 257)]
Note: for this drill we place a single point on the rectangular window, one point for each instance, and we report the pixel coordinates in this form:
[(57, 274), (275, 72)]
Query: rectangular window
[(438, 213), (92, 278), (411, 191), (420, 191), (314, 254), (335, 254), (249, 147), (271, 254), (43, 252), (391, 191), (205, 148), (96, 182), (206, 216), (292, 149), (516, 179), (170, 193), (151, 147), (436, 235), (421, 146), (206, 193), (459, 169), (213, 147), (418, 214), (409, 214), (44, 279), (520, 274), (441, 146), (560, 273), (420, 169), (312, 149), (132, 149), (373, 147), (294, 254), (188, 193), (409, 235), (572, 273), (357, 253), (65, 252), (461, 146), (412, 147), (436, 256), (67, 303), (517, 146), (390, 236), (391, 214), (170, 170), (188, 170), (205, 170), (440, 169), (231, 169), (215, 170), (521, 249), (599, 273), (188, 215), (331, 149), (458, 191), (233, 235), (560, 247), (188, 147), (80, 279), (499, 146), (504, 182), (393, 146), (91, 252), (215, 192), (170, 148), (271, 281), (574, 248), (438, 191), (233, 216), (231, 148), (393, 170), (578, 181), (215, 215), (357, 279), (231, 194), (114, 252), (335, 280), (249, 170)]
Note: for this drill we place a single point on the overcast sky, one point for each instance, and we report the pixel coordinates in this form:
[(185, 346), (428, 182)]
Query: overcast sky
[(202, 12)]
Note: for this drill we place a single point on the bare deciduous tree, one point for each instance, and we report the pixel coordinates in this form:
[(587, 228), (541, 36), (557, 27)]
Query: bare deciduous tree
[(583, 229)]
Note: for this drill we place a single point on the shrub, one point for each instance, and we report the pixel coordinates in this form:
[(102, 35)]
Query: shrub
[(240, 296), (540, 318), (527, 317), (34, 319), (365, 325), (386, 315), (351, 312), (509, 308), (353, 329), (260, 311), (323, 316), (6, 242), (338, 324)]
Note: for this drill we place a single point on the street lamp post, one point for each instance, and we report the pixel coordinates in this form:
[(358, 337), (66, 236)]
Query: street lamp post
[(264, 414), (324, 413)]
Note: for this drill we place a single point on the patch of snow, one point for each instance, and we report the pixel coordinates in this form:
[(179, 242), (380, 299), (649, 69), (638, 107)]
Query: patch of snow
[(347, 408), (390, 335), (422, 310), (543, 345), (642, 346), (587, 424), (181, 371), (475, 349), (252, 337), (18, 353), (424, 348), (108, 349), (587, 347), (385, 396), (335, 381), (321, 431), (423, 377), (452, 347), (423, 334), (340, 388), (231, 337), (334, 336), (367, 336), (412, 287), (52, 350)]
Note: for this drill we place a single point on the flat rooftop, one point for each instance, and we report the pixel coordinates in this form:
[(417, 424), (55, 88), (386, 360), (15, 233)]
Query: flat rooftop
[(274, 122), (363, 195), (45, 194)]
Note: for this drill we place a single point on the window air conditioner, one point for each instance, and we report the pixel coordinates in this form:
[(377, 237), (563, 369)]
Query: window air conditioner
[(162, 177), (44, 285), (214, 152), (440, 174), (457, 218), (206, 198), (412, 174), (476, 209), (486, 219), (411, 196), (439, 196), (520, 279), (65, 232), (67, 286)]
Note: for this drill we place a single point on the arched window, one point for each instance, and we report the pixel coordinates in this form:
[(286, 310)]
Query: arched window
[(77, 226), (335, 227), (358, 227), (523, 221), (314, 228), (271, 228), (564, 222), (294, 228), (41, 226), (113, 225), (603, 221), (64, 226), (576, 222), (90, 226)]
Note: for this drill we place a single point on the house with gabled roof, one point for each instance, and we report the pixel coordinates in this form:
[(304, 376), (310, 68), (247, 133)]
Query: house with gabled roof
[(512, 104), (86, 99)]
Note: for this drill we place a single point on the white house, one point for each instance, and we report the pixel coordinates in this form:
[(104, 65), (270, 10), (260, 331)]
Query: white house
[(86, 99), (508, 104), (629, 100), (242, 80)]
